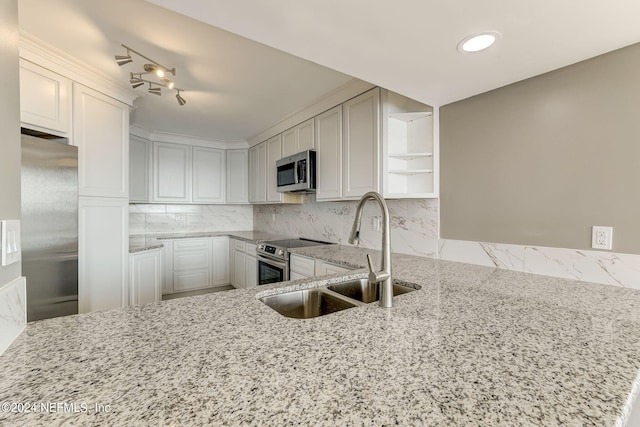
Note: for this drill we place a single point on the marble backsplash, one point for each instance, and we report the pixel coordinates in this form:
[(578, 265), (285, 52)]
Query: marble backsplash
[(159, 218), (414, 223), (13, 311)]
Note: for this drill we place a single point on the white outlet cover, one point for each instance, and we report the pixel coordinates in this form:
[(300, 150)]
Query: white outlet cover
[(602, 237), (10, 242)]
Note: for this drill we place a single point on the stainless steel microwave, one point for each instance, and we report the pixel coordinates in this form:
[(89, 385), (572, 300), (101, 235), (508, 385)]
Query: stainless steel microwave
[(297, 173)]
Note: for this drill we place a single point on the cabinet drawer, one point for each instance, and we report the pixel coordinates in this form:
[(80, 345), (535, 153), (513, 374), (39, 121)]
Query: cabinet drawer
[(323, 268), (189, 244), (190, 260), (238, 245), (302, 265), (192, 279), (250, 249)]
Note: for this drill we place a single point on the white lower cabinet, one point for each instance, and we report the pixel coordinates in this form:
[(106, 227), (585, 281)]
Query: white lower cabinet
[(323, 267), (103, 254), (251, 271), (145, 276), (195, 263), (301, 267), (245, 267)]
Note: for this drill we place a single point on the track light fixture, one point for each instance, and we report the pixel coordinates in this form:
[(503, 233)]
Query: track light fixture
[(151, 68)]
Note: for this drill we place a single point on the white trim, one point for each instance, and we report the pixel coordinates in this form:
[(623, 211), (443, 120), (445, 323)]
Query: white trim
[(175, 138), (334, 98), (41, 53)]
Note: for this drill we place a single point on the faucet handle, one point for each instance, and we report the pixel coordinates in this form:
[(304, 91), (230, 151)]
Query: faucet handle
[(376, 276)]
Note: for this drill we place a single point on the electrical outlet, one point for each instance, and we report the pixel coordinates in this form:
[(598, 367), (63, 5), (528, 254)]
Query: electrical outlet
[(375, 223), (602, 237), (10, 247)]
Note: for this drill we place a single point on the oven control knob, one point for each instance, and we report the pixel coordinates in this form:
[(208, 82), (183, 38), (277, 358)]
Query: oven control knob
[(280, 252), (260, 246)]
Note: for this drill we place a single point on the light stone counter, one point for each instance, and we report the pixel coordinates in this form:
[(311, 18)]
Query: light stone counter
[(474, 346)]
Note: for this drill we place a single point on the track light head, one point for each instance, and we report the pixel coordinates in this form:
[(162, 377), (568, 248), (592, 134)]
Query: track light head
[(155, 90), (180, 99), (136, 83), (123, 59), (168, 83)]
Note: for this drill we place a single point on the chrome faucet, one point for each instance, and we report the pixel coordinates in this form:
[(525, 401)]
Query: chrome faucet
[(383, 277)]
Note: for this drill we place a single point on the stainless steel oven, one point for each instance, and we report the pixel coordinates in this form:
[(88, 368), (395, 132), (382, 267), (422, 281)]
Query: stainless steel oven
[(271, 270), (273, 258)]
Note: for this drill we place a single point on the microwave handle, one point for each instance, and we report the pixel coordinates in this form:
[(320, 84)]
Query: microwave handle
[(295, 172)]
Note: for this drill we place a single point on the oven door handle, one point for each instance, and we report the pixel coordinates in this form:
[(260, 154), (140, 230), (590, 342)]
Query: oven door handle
[(272, 261)]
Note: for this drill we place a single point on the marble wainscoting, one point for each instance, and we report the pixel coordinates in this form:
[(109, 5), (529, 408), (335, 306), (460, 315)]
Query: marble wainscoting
[(13, 311), (160, 218), (591, 266), (414, 223)]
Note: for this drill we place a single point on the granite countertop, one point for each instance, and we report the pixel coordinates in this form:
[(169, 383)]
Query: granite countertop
[(145, 242), (473, 346)]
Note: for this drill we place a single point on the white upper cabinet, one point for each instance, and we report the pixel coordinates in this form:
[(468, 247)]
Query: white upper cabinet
[(208, 175), (45, 100), (328, 128), (237, 176), (409, 147), (101, 132), (361, 144), (258, 173), (298, 138), (171, 172), (274, 153), (139, 169)]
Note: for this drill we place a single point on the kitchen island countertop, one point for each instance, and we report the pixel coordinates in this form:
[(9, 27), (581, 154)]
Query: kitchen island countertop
[(473, 346)]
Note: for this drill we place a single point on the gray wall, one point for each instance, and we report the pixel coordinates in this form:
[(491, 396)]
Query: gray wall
[(541, 161), (9, 124)]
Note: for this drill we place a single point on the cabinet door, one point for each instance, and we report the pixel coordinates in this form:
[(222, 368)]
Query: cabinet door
[(237, 177), (101, 132), (238, 270), (258, 173), (254, 178), (220, 261), (209, 175), (171, 172), (103, 254), (262, 172), (274, 153), (361, 144), (251, 271), (306, 135), (328, 128), (139, 169), (45, 99), (289, 142), (145, 277)]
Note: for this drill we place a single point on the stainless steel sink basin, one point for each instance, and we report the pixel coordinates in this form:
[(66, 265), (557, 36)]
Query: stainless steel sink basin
[(364, 291), (306, 303)]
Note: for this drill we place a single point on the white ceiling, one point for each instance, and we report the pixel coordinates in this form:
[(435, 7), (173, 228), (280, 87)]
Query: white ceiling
[(409, 46), (236, 88)]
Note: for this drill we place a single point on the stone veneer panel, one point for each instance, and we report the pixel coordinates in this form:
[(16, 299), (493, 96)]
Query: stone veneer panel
[(13, 312)]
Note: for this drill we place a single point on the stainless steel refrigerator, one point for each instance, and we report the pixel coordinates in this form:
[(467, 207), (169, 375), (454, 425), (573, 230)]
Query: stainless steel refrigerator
[(49, 226)]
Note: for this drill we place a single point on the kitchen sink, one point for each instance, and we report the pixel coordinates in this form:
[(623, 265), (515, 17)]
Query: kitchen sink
[(307, 303), (362, 290)]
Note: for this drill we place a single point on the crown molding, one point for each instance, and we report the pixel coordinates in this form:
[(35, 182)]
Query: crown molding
[(45, 55), (343, 93), (176, 138)]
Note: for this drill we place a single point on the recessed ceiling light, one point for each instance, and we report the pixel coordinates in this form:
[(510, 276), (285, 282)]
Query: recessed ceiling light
[(478, 42)]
